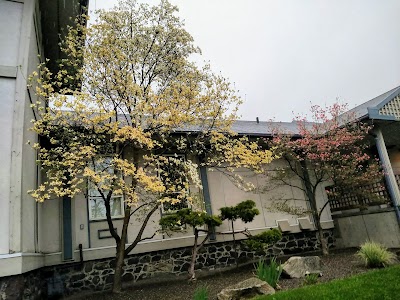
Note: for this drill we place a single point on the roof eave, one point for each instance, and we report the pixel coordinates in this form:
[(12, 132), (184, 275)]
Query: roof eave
[(373, 113)]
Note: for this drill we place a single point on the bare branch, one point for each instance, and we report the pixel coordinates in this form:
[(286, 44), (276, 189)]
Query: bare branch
[(139, 235)]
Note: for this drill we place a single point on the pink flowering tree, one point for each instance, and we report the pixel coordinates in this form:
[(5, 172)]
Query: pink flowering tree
[(331, 149)]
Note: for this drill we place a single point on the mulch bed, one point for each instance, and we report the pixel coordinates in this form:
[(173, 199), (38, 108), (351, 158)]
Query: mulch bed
[(336, 265)]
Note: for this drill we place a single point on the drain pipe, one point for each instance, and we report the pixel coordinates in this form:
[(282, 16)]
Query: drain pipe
[(80, 254)]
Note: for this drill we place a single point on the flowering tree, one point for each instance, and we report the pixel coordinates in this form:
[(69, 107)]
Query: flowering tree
[(330, 150), (125, 94)]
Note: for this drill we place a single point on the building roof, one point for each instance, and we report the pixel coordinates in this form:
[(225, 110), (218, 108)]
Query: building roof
[(253, 128), (366, 110), (363, 111), (263, 128)]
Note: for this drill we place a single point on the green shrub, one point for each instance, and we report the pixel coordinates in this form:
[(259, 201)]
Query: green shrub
[(375, 255), (260, 241), (201, 293), (310, 279), (269, 273), (245, 211)]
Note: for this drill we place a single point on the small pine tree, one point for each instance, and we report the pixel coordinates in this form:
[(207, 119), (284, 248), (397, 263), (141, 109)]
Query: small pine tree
[(245, 211), (259, 241), (197, 220)]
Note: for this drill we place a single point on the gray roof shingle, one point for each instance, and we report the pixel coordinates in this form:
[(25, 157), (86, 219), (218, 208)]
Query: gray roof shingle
[(263, 128)]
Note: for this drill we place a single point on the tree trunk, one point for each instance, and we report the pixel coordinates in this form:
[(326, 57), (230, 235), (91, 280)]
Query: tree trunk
[(192, 274), (122, 252), (119, 260), (322, 240), (317, 220), (119, 263), (234, 244)]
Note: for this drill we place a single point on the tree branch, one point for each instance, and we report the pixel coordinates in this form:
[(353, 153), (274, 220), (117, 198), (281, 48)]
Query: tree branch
[(322, 209), (149, 237), (139, 235), (204, 241), (139, 207), (110, 224)]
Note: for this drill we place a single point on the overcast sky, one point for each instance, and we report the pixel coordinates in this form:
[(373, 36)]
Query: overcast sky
[(284, 54)]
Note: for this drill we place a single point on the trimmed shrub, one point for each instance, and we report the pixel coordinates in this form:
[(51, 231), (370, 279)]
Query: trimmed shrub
[(375, 255), (260, 241)]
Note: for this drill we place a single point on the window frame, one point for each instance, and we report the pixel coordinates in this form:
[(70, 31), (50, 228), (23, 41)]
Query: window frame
[(102, 201), (119, 216)]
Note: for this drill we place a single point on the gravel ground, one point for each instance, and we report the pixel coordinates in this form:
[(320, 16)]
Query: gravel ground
[(336, 265)]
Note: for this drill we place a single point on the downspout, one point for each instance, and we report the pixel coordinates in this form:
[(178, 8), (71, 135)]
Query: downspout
[(67, 250), (389, 175)]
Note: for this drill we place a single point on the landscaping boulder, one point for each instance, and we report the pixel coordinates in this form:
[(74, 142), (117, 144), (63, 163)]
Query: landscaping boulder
[(298, 267), (246, 290)]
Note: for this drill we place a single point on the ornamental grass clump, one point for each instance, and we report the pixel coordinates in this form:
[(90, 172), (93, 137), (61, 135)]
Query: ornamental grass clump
[(269, 273), (376, 255), (201, 293), (310, 279)]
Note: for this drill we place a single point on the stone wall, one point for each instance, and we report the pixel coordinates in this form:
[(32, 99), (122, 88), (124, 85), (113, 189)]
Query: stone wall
[(28, 286), (98, 275), (68, 279)]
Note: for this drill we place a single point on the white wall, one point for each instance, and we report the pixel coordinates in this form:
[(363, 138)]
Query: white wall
[(7, 90), (29, 166), (222, 191), (380, 227), (225, 193), (49, 226), (10, 27), (19, 48)]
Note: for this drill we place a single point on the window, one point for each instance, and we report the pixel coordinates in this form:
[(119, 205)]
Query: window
[(97, 208), (173, 174)]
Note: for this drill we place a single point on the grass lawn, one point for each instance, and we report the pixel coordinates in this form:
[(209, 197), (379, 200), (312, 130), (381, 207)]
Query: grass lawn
[(379, 284)]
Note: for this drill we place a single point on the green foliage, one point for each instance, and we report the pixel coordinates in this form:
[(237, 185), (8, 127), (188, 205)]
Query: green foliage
[(245, 210), (310, 279), (263, 239), (195, 219), (377, 284), (201, 293), (375, 255), (269, 273), (186, 216)]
